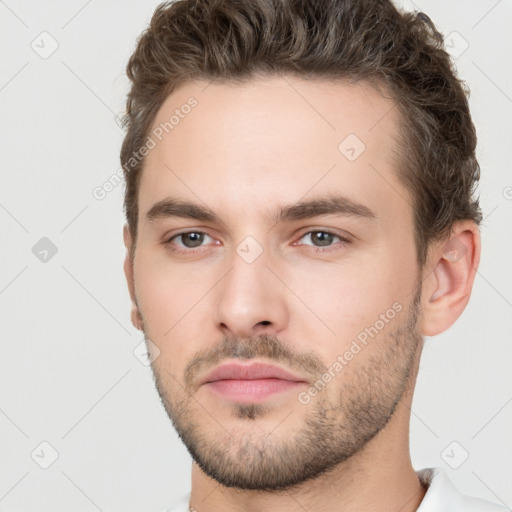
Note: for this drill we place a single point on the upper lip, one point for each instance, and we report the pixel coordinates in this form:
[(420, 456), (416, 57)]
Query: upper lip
[(252, 371)]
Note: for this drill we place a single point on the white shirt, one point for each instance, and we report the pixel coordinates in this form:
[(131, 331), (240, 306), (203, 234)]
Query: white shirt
[(441, 496)]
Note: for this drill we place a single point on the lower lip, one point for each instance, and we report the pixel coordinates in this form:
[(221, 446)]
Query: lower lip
[(253, 391)]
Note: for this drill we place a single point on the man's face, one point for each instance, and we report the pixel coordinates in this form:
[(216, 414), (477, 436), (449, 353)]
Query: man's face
[(331, 297)]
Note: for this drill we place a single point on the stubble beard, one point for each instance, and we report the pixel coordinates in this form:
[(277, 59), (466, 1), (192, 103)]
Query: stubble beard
[(329, 432)]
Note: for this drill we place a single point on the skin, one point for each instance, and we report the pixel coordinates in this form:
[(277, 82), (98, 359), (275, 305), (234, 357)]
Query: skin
[(244, 152)]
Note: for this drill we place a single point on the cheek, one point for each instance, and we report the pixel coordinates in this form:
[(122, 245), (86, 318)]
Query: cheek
[(347, 299), (165, 290), (174, 305)]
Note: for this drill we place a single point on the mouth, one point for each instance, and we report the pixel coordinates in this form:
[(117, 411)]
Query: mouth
[(250, 383)]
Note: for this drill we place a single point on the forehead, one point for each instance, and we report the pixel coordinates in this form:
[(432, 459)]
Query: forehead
[(317, 108), (280, 138)]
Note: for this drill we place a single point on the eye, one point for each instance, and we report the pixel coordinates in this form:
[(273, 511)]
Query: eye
[(188, 240), (321, 239)]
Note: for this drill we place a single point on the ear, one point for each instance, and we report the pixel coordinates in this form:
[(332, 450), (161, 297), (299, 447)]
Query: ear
[(128, 272), (449, 275)]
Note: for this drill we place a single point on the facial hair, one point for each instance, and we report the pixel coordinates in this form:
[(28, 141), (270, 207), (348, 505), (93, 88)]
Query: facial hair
[(329, 433)]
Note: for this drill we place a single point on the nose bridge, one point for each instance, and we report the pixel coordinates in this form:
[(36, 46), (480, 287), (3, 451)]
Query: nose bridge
[(250, 299)]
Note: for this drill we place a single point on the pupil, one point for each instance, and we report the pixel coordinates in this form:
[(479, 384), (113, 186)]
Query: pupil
[(323, 238), (195, 238)]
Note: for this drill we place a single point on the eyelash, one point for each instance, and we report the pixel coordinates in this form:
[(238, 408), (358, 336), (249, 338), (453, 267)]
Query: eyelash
[(343, 241)]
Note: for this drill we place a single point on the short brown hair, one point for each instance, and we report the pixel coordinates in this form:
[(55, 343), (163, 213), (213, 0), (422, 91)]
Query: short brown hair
[(236, 40)]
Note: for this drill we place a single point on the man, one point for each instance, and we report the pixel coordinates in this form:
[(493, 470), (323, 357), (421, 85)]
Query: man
[(300, 213)]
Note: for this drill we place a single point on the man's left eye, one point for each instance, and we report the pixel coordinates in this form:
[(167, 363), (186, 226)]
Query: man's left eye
[(321, 239)]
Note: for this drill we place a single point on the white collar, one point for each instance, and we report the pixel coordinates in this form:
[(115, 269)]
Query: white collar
[(442, 496)]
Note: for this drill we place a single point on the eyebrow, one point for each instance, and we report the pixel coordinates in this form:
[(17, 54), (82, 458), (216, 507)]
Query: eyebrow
[(331, 205)]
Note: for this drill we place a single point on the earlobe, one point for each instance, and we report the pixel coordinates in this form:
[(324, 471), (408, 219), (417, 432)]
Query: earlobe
[(135, 317), (447, 288), (128, 272)]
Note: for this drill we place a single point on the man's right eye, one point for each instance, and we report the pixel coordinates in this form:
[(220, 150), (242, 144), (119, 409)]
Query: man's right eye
[(187, 240)]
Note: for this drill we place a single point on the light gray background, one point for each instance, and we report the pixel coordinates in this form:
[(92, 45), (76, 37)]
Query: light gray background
[(69, 376)]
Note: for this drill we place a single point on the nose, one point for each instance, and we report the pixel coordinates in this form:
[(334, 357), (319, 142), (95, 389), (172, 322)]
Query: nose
[(251, 300)]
